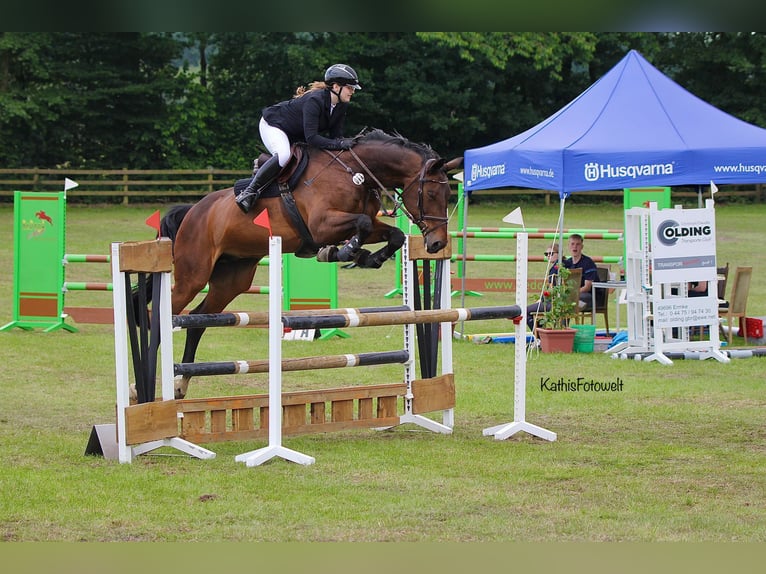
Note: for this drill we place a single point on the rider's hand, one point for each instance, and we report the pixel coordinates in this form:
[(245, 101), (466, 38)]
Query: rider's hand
[(345, 143)]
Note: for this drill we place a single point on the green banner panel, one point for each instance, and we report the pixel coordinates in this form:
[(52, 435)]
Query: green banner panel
[(38, 252), (309, 284)]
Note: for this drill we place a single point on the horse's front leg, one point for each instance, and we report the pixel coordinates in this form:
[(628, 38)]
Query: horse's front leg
[(394, 238), (352, 249)]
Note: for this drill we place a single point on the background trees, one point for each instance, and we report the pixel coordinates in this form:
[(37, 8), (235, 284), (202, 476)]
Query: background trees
[(183, 100)]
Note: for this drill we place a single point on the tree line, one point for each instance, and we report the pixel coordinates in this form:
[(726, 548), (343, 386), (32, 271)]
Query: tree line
[(193, 100)]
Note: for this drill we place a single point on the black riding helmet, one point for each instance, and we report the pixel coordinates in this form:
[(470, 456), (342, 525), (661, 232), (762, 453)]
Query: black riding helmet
[(343, 75)]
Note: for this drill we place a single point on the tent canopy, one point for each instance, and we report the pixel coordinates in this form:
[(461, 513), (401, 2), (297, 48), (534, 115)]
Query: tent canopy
[(634, 127)]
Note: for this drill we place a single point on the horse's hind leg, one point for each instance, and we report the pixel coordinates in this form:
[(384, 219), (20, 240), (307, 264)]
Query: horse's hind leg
[(229, 279)]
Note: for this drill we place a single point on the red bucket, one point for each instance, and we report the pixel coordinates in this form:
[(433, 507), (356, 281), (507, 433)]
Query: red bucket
[(754, 328)]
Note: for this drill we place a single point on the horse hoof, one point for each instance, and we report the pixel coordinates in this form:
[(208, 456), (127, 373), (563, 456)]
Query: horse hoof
[(369, 261), (181, 385), (327, 254), (362, 259)]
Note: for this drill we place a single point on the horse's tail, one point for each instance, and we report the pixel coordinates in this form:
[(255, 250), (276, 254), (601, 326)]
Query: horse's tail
[(169, 225)]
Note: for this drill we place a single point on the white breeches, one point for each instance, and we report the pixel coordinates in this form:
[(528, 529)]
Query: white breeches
[(276, 141)]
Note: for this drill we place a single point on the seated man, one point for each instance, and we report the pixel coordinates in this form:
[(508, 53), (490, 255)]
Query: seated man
[(578, 260)]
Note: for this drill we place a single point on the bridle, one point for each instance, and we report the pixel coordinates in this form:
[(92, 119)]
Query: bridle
[(397, 197), (421, 179)]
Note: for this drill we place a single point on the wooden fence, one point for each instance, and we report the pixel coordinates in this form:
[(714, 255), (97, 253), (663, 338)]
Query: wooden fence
[(157, 185), (139, 184)]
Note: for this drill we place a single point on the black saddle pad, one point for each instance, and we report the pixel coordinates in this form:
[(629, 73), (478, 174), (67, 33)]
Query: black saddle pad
[(275, 189), (272, 190)]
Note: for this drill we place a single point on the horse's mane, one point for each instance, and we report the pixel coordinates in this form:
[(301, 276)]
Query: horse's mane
[(376, 135)]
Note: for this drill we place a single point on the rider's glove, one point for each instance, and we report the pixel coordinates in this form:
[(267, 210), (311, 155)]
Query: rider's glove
[(344, 143)]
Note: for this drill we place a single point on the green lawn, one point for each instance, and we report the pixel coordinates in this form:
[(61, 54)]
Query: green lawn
[(676, 454)]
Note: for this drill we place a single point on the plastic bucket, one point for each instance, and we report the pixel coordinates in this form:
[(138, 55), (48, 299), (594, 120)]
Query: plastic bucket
[(584, 337)]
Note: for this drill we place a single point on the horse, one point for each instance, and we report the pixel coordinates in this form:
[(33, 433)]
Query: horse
[(332, 212)]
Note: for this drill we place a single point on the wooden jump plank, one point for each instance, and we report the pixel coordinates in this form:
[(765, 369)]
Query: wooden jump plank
[(263, 433), (150, 421), (434, 394), (304, 412)]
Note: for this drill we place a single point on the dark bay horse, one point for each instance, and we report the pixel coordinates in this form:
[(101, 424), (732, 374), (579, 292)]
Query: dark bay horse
[(338, 197)]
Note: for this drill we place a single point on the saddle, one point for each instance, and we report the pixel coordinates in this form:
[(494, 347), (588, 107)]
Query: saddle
[(283, 186), (286, 179)]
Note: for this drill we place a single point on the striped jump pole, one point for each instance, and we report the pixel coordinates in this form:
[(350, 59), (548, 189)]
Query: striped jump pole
[(260, 319), (86, 258), (508, 258), (347, 318), (475, 285), (104, 315), (294, 364), (86, 286), (402, 317), (96, 286), (513, 234), (531, 230)]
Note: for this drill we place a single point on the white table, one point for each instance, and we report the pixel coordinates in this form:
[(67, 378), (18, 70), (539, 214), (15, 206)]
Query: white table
[(616, 285)]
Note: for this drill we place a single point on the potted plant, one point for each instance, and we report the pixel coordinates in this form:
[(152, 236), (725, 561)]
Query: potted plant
[(555, 333)]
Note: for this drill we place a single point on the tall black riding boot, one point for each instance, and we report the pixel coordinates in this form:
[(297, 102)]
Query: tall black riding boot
[(268, 171)]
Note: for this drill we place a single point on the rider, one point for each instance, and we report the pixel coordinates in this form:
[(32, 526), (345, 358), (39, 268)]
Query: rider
[(321, 108)]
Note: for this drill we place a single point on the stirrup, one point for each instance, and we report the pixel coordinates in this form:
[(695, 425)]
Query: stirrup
[(246, 199)]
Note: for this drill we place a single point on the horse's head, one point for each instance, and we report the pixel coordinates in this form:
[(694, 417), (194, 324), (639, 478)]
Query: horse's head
[(420, 175), (426, 198)]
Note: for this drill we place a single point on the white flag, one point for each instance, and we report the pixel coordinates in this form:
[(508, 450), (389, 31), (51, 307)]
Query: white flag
[(514, 217), (713, 188), (458, 176), (69, 184)]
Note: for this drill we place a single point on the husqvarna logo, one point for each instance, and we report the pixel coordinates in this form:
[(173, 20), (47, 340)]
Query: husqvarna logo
[(669, 231), (591, 171), (479, 171), (595, 171)]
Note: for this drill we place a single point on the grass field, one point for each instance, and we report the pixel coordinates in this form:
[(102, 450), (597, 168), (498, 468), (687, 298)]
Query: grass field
[(677, 454)]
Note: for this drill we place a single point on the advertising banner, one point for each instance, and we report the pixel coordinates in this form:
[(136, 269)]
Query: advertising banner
[(683, 245)]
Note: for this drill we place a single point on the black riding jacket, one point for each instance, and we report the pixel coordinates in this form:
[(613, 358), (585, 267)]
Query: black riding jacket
[(303, 118)]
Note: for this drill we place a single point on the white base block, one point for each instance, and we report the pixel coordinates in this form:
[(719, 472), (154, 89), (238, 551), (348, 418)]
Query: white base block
[(257, 457), (177, 443), (425, 422), (502, 432)]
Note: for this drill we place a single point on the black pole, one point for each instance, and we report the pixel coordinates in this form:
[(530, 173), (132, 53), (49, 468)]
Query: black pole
[(135, 352), (438, 276), (154, 339), (427, 368)]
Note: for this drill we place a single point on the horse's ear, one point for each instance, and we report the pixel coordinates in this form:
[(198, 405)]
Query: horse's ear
[(434, 165), (456, 163)]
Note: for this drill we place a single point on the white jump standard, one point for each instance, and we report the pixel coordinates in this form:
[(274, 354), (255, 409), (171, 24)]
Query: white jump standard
[(503, 431)]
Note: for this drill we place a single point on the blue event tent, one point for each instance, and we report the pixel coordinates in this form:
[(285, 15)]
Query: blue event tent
[(634, 127)]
